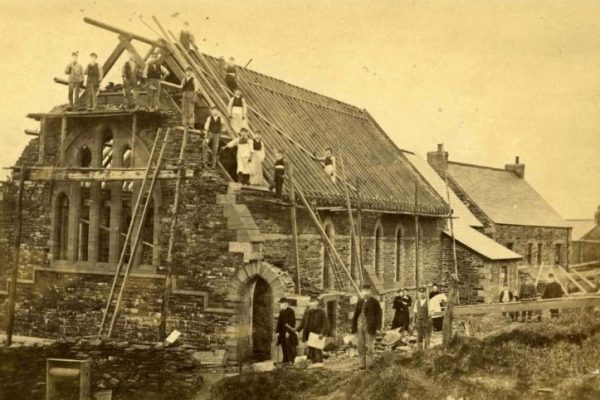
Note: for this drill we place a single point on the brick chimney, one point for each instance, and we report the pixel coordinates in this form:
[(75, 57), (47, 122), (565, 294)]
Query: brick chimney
[(597, 216), (517, 168), (438, 160)]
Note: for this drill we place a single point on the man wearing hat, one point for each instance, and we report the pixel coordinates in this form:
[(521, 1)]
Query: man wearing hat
[(285, 333), (212, 131), (154, 72), (189, 88), (423, 319), (553, 290), (402, 304), (75, 72), (94, 77), (131, 72), (365, 324), (314, 321)]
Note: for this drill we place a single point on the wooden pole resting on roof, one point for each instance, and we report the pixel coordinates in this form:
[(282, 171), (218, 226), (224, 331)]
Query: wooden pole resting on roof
[(294, 229), (353, 241)]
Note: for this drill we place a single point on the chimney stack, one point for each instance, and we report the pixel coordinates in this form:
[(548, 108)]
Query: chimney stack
[(439, 160), (517, 168)]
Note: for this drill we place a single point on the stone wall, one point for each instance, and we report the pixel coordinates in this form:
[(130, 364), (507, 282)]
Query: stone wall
[(522, 236), (131, 370)]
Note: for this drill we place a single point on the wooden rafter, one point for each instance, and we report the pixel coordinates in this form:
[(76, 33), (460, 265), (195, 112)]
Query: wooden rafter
[(97, 174)]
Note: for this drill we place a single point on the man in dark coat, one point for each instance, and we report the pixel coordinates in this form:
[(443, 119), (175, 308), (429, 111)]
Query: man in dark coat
[(365, 324), (553, 291), (526, 293), (286, 336), (402, 304), (314, 321), (434, 291)]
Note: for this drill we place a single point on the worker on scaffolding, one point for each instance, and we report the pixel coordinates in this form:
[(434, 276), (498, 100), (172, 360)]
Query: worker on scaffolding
[(238, 111), (245, 150), (329, 163), (422, 316), (94, 75), (279, 175), (231, 74), (366, 322), (186, 38), (154, 72), (213, 127), (131, 73), (256, 168), (189, 89), (75, 72)]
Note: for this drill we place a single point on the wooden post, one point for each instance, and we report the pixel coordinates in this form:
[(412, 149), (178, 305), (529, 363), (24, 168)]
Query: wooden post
[(134, 128), (353, 241), (359, 227), (453, 283), (168, 279), (294, 228), (416, 233), (63, 139), (12, 295)]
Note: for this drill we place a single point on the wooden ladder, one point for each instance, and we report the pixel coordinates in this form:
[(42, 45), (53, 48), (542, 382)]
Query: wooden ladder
[(140, 211)]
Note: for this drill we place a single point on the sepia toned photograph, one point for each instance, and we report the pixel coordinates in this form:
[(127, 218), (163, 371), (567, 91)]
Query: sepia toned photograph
[(300, 200)]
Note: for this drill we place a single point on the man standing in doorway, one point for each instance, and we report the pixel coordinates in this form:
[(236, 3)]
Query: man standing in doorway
[(75, 72), (154, 72), (366, 322), (286, 335), (422, 320), (314, 321)]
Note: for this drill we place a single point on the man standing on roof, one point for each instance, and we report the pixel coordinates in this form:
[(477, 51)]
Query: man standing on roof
[(422, 319), (329, 164), (366, 321), (187, 38), (154, 72), (238, 111), (256, 175), (553, 290), (231, 74), (212, 131), (279, 175), (75, 72), (189, 88), (287, 337), (131, 72), (94, 76), (244, 155)]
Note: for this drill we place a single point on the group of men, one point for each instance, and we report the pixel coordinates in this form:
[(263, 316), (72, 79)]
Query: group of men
[(93, 75), (529, 292), (366, 322)]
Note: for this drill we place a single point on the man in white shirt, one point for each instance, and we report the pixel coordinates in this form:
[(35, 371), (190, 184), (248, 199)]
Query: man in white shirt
[(422, 314), (436, 307)]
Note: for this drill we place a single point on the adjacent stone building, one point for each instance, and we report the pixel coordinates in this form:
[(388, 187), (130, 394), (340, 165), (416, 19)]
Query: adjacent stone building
[(508, 207), (586, 239)]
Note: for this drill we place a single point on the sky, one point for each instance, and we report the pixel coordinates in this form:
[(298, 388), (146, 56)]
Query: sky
[(490, 79)]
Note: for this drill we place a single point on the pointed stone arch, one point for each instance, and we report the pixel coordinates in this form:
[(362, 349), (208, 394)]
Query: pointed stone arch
[(240, 294)]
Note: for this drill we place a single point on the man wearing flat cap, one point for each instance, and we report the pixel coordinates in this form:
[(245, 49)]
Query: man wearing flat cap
[(94, 74), (365, 324), (423, 319), (314, 321), (75, 72), (285, 333)]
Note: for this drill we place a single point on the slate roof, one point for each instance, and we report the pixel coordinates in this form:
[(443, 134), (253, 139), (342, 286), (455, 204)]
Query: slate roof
[(460, 211), (481, 244), (504, 197), (301, 122), (581, 227)]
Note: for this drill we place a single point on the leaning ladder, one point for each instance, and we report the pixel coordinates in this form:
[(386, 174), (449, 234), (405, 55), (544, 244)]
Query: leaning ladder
[(144, 196)]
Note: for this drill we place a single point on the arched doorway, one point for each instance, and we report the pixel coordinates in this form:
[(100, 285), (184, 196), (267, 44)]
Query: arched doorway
[(253, 290), (262, 320)]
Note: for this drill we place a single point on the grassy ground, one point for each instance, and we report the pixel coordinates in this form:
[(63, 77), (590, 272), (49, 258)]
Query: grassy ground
[(559, 357)]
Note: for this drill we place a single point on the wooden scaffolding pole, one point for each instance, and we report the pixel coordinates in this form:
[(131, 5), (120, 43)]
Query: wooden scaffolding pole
[(164, 312), (353, 241), (325, 238), (12, 295), (294, 229), (453, 284), (416, 233), (359, 228)]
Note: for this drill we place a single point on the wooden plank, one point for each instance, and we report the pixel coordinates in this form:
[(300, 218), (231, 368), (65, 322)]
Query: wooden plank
[(561, 269), (120, 31), (585, 264), (583, 278), (98, 175), (547, 304), (294, 228)]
